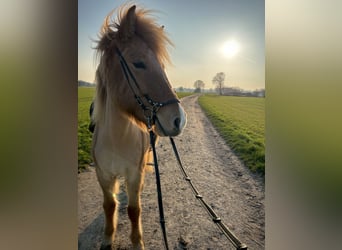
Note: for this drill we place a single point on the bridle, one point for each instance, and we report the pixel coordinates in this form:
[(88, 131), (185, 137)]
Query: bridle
[(153, 106)]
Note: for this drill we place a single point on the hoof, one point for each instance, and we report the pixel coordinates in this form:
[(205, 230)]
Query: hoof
[(139, 247), (106, 247)]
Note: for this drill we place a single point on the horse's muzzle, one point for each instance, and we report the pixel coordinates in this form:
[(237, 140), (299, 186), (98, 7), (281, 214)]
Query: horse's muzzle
[(170, 125)]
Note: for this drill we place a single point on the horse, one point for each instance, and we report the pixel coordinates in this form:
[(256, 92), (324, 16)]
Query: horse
[(133, 96)]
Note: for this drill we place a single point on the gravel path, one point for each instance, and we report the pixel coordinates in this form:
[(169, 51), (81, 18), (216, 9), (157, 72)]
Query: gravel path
[(235, 194)]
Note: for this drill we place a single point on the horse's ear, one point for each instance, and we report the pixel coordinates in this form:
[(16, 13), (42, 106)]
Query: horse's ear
[(127, 26)]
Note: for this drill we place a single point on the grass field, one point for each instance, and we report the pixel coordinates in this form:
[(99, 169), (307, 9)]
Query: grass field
[(85, 97), (241, 122)]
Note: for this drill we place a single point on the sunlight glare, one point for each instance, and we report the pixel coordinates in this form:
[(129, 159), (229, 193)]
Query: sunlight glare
[(230, 48)]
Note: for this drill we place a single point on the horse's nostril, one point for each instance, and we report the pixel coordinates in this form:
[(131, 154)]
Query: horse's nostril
[(177, 123)]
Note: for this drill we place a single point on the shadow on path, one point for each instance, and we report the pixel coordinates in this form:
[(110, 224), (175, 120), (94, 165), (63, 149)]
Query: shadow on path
[(91, 237)]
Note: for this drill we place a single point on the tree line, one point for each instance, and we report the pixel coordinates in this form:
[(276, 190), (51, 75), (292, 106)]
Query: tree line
[(221, 89), (81, 83)]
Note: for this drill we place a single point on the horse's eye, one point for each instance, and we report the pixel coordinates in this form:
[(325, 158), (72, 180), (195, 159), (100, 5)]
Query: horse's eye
[(139, 65)]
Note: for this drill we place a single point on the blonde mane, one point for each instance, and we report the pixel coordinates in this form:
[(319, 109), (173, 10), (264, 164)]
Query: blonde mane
[(146, 28)]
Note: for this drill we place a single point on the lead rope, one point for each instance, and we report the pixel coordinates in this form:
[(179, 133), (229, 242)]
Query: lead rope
[(216, 219), (160, 198)]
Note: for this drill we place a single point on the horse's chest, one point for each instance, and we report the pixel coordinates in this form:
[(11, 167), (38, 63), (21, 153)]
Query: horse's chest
[(116, 162)]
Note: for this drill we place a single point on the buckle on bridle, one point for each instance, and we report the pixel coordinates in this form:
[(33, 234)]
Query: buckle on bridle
[(149, 116), (150, 113)]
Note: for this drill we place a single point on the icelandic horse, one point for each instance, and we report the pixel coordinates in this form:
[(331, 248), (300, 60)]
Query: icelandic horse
[(131, 84)]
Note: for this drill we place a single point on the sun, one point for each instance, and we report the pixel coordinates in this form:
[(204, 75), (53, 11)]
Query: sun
[(230, 48)]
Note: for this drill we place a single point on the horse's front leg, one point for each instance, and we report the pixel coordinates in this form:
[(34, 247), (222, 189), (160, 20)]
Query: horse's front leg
[(110, 207), (134, 187)]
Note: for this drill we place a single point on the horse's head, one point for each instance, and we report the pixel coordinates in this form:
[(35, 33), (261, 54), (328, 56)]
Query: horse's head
[(134, 53)]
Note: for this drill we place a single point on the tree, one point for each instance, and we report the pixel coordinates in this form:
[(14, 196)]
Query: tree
[(218, 80), (198, 84), (180, 89)]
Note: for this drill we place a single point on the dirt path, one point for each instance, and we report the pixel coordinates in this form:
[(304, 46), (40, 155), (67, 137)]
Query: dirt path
[(234, 193)]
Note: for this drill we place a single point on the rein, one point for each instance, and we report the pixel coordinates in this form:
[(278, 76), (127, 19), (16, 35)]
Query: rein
[(216, 219), (160, 198)]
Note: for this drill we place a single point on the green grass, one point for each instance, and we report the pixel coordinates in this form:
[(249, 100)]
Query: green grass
[(85, 97), (241, 122)]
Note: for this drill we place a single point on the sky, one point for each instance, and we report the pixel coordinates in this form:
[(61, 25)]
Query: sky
[(199, 29)]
